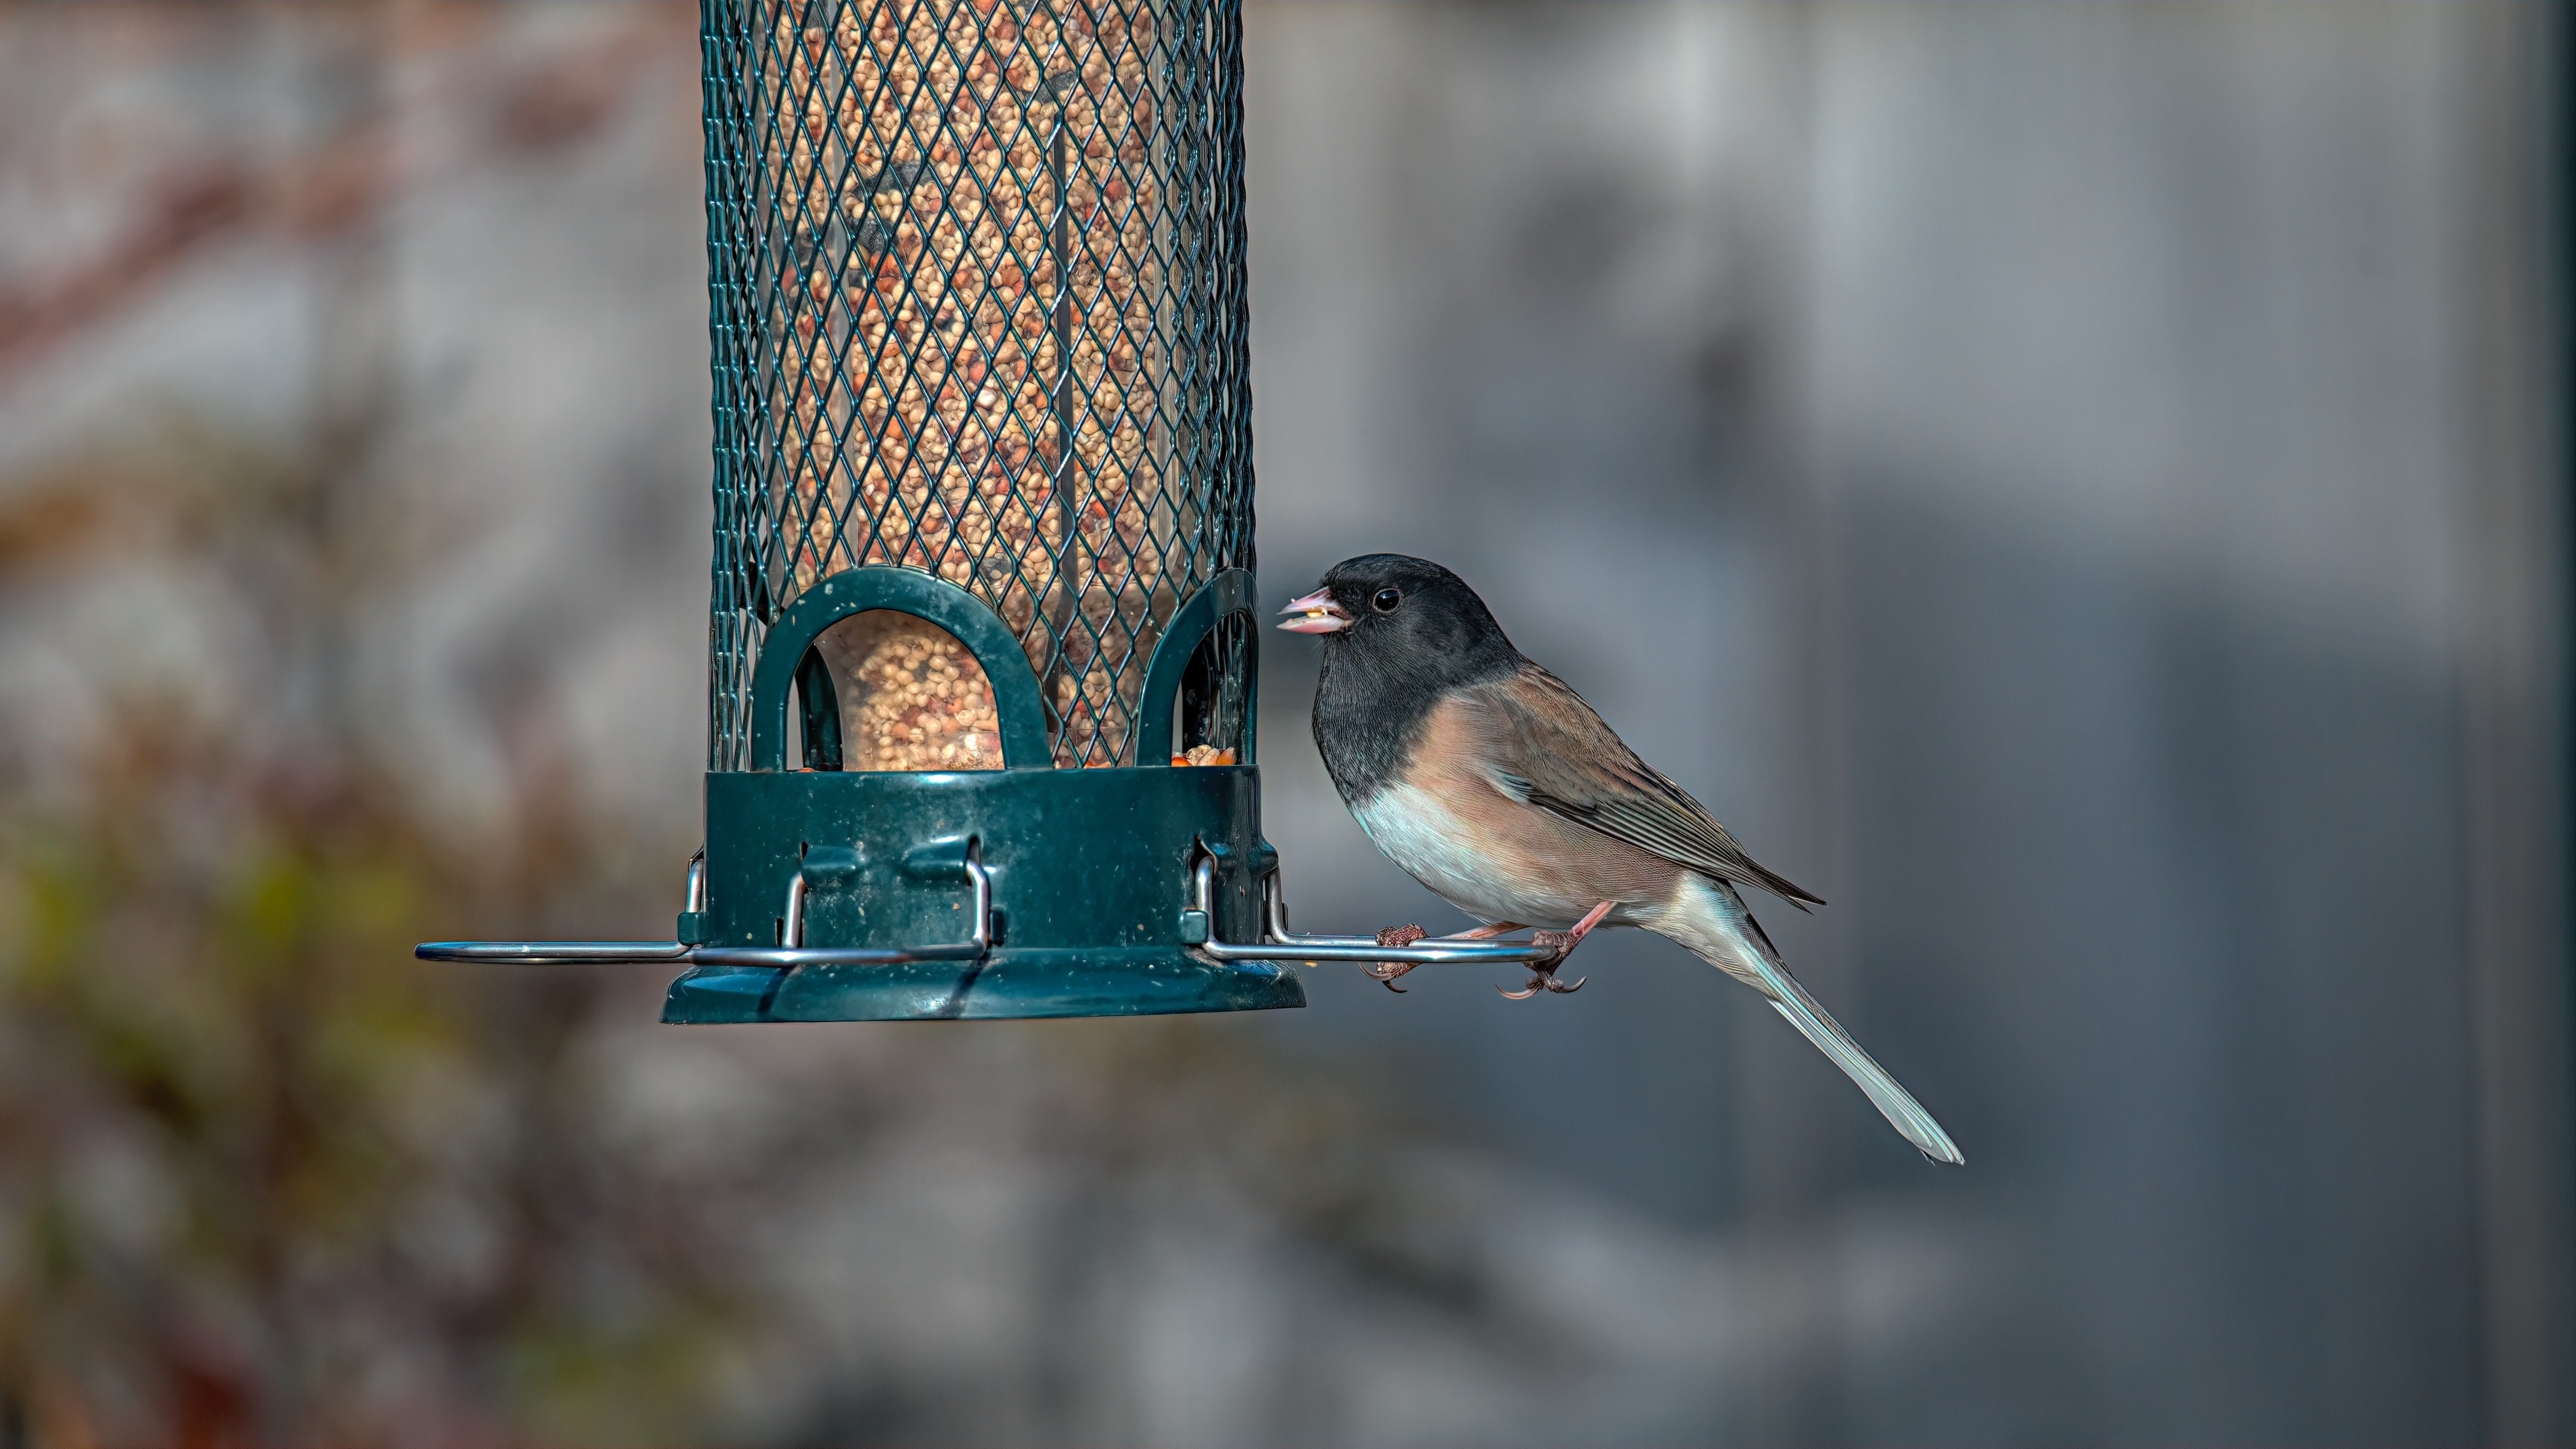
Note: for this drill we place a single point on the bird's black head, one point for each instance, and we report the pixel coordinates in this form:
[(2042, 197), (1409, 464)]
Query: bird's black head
[(1406, 613), (1399, 634)]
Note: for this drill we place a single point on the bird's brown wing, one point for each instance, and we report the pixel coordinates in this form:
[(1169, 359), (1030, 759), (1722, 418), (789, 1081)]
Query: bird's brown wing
[(1552, 750)]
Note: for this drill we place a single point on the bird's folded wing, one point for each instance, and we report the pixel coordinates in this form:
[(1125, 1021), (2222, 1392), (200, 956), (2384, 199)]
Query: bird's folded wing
[(1553, 751)]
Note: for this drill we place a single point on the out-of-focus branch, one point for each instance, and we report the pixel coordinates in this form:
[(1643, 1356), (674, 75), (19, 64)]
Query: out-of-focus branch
[(321, 191)]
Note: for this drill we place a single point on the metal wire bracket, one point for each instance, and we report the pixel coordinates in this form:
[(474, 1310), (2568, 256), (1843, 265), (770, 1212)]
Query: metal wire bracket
[(555, 953), (1278, 942), (791, 952), (794, 952), (1282, 944)]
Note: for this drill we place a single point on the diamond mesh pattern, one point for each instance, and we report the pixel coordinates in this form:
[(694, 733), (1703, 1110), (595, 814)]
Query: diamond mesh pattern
[(976, 273)]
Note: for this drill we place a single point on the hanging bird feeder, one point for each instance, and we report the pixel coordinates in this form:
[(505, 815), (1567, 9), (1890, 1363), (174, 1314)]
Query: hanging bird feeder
[(982, 654)]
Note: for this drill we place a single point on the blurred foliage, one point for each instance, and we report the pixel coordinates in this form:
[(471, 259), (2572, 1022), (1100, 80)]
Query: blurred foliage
[(263, 1177)]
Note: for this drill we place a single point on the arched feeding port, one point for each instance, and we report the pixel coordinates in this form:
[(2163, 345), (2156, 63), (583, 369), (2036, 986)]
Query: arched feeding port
[(983, 541)]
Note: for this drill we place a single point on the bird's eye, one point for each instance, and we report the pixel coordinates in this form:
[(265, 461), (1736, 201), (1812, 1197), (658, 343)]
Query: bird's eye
[(1385, 600)]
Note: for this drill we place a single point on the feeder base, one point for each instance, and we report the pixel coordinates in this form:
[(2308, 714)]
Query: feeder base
[(1090, 878), (1008, 983)]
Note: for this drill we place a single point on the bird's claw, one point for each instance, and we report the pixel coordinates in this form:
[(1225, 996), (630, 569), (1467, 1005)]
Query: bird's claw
[(1558, 945), (1543, 978), (1543, 972), (1385, 972)]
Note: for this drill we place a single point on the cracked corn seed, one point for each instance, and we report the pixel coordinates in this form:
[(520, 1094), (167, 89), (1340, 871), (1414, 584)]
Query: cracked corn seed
[(970, 367)]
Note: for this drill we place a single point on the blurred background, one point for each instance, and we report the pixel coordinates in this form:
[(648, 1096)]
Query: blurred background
[(2081, 486)]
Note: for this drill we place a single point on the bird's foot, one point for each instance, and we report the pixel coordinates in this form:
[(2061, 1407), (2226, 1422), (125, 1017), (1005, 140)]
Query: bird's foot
[(1543, 976), (1559, 945), (1563, 943), (1385, 972)]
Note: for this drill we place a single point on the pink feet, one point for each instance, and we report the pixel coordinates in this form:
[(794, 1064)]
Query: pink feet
[(1543, 973), (1385, 972)]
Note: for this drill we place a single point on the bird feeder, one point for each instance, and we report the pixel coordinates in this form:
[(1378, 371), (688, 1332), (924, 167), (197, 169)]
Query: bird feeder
[(981, 653)]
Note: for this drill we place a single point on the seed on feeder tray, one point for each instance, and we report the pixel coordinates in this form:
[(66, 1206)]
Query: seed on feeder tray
[(878, 658)]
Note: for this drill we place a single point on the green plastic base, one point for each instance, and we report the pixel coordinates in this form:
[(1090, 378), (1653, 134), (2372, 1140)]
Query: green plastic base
[(1090, 872), (1008, 983)]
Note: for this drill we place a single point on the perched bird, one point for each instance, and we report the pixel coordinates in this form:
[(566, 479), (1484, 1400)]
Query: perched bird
[(1491, 782)]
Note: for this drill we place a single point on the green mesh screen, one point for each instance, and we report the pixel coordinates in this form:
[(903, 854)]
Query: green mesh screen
[(977, 303)]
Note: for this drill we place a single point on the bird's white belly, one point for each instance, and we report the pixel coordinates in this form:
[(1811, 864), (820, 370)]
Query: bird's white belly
[(1437, 848)]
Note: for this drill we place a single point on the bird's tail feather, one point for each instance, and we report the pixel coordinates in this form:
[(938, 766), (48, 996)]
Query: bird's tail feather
[(1718, 928), (1892, 1101)]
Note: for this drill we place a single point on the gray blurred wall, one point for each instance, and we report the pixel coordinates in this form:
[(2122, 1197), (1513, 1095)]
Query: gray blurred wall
[(2078, 486)]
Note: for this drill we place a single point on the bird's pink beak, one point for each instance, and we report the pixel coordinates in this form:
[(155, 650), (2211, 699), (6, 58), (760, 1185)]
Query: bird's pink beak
[(1316, 614)]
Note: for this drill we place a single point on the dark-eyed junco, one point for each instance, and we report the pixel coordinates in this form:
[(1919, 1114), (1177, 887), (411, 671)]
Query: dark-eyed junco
[(1491, 782)]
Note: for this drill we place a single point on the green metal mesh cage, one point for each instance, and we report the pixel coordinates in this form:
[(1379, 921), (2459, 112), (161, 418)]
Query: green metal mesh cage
[(977, 303)]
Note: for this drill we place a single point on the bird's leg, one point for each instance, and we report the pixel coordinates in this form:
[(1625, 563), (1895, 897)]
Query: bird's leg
[(1385, 972), (1487, 933), (1543, 973), (1566, 941)]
